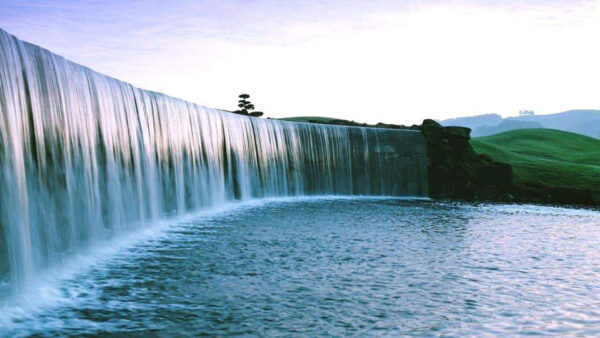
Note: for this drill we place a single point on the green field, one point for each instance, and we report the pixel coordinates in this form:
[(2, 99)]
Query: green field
[(546, 157)]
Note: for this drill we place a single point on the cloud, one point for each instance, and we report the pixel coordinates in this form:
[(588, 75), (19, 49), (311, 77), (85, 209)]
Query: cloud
[(366, 60)]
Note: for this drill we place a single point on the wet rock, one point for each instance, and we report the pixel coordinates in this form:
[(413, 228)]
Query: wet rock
[(494, 173), (488, 193), (457, 132), (456, 171), (563, 195), (506, 197), (595, 195)]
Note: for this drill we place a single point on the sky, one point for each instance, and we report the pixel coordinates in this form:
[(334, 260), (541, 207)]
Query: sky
[(369, 61)]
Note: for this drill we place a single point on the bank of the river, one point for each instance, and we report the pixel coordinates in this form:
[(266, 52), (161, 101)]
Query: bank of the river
[(564, 166), (546, 157), (457, 170), (558, 169)]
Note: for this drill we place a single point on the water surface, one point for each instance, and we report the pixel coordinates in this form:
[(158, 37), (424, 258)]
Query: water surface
[(341, 266)]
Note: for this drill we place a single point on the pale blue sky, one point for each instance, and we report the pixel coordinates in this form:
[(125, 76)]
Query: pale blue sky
[(391, 61)]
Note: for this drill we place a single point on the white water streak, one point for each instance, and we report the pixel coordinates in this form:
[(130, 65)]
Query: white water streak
[(85, 158)]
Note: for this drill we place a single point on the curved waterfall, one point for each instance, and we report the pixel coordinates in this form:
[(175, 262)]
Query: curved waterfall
[(85, 157)]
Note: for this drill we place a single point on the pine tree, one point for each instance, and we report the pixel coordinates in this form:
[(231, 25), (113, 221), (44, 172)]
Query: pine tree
[(246, 107)]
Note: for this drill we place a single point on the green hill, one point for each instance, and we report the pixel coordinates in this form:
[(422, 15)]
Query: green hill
[(546, 157)]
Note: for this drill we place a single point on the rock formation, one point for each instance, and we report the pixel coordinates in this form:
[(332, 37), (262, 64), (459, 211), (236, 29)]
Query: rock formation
[(455, 171)]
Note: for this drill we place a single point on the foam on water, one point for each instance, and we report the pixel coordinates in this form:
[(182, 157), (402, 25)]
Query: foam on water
[(335, 266), (48, 291)]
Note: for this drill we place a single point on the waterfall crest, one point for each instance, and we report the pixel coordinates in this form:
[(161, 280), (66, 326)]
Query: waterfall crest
[(85, 157)]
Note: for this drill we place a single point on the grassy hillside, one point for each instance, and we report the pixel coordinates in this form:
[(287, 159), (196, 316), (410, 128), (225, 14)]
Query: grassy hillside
[(546, 157)]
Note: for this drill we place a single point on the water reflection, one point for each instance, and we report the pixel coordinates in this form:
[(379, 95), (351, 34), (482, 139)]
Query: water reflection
[(347, 267)]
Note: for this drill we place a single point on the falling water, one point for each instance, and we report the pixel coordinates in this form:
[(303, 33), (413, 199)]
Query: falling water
[(85, 158)]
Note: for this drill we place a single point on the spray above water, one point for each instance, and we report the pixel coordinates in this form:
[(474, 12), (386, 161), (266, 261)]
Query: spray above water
[(85, 158)]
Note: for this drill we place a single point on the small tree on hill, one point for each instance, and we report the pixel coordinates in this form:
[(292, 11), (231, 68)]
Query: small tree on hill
[(246, 107)]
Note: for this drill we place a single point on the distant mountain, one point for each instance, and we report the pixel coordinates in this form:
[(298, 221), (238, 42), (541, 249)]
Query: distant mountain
[(585, 122), (474, 122)]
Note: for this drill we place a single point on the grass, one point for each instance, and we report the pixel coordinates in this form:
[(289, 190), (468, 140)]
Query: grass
[(546, 157)]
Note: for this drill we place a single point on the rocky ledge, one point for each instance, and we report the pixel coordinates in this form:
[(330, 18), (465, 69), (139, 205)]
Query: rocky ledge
[(455, 171)]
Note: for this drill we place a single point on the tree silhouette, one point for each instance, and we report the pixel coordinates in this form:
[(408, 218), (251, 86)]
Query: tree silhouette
[(246, 107)]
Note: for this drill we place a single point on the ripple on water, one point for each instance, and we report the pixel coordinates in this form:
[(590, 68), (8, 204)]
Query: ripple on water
[(344, 267)]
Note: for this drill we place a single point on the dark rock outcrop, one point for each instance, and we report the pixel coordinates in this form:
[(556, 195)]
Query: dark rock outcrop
[(596, 195), (455, 171)]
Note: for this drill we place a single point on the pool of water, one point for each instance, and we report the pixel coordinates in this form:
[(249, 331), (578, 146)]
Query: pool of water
[(336, 266)]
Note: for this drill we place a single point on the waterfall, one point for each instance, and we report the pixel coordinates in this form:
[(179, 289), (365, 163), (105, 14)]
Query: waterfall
[(85, 158)]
